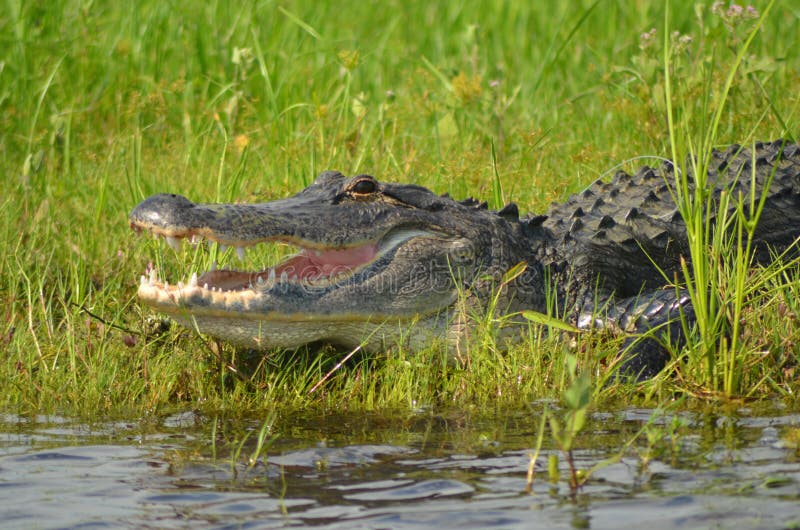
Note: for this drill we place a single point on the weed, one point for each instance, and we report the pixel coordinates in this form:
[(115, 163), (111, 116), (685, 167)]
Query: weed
[(720, 230), (236, 446), (102, 105)]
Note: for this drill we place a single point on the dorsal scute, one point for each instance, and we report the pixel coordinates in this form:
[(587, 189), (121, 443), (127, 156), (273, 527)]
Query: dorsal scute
[(510, 212), (532, 226), (472, 202)]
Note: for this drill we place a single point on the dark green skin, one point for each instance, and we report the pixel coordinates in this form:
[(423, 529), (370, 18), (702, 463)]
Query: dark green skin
[(604, 252)]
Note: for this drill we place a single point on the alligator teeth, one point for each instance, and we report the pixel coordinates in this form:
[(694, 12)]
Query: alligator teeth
[(240, 253), (284, 276), (153, 276), (271, 276), (214, 265), (196, 240), (223, 248), (142, 280), (193, 280), (173, 242)]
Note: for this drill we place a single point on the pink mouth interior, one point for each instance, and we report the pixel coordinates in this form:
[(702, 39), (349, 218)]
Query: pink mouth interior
[(307, 264), (310, 264)]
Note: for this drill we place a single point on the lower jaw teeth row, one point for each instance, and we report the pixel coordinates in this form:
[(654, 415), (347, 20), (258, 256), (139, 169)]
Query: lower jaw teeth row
[(152, 278)]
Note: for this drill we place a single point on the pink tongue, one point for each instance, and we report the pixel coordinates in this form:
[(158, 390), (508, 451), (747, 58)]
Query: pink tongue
[(313, 264), (350, 256)]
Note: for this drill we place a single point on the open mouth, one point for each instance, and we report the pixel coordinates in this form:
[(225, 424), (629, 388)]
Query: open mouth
[(314, 265)]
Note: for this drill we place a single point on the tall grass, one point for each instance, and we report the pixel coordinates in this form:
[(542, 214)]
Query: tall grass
[(721, 230), (103, 103)]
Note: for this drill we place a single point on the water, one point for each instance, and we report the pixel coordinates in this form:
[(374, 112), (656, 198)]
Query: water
[(422, 471)]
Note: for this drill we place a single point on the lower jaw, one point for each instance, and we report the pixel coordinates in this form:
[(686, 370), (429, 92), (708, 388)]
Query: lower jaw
[(272, 334), (371, 336)]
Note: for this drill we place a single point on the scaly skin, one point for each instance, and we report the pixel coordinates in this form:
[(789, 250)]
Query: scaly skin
[(377, 257)]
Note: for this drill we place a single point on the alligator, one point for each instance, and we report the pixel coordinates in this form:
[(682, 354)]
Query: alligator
[(380, 263)]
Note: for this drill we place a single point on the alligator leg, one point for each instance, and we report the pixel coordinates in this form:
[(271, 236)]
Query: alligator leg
[(652, 322), (656, 322)]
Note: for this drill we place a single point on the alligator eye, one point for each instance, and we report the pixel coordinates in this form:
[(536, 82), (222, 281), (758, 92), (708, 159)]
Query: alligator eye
[(364, 186)]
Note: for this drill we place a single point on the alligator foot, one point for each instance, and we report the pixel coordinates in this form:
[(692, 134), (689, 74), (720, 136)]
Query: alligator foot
[(657, 327)]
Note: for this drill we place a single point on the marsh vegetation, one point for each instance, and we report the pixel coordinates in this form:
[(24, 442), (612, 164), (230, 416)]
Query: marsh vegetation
[(103, 104)]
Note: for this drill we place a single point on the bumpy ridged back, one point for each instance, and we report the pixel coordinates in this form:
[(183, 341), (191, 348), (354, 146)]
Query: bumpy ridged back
[(618, 230)]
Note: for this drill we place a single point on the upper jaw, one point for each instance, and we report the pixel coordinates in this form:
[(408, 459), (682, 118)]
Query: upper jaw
[(297, 220)]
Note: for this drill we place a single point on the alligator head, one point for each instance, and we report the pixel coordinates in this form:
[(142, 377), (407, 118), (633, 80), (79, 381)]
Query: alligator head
[(371, 257)]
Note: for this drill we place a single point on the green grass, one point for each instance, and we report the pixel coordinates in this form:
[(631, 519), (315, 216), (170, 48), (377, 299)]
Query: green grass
[(104, 103)]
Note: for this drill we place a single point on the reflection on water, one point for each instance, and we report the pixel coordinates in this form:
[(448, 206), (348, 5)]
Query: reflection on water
[(422, 471)]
